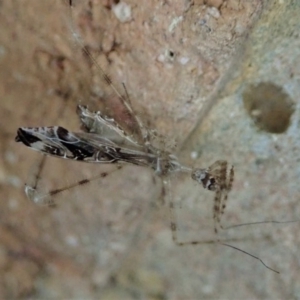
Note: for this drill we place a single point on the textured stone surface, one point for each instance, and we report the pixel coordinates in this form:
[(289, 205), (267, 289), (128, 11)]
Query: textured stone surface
[(186, 66)]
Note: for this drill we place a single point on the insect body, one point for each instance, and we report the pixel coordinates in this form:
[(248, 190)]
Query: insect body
[(106, 142)]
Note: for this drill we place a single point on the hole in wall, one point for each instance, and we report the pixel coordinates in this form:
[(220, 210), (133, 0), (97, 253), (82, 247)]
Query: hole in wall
[(269, 106)]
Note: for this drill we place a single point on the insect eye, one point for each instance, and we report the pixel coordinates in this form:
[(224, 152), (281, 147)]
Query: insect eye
[(211, 184)]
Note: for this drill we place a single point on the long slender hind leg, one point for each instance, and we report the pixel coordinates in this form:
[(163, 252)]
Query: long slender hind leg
[(143, 132), (37, 195), (173, 225)]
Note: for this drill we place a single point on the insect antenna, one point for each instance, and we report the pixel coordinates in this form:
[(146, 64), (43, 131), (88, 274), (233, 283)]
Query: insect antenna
[(261, 222), (251, 255)]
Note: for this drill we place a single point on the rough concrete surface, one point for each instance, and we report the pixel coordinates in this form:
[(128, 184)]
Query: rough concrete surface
[(221, 78)]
